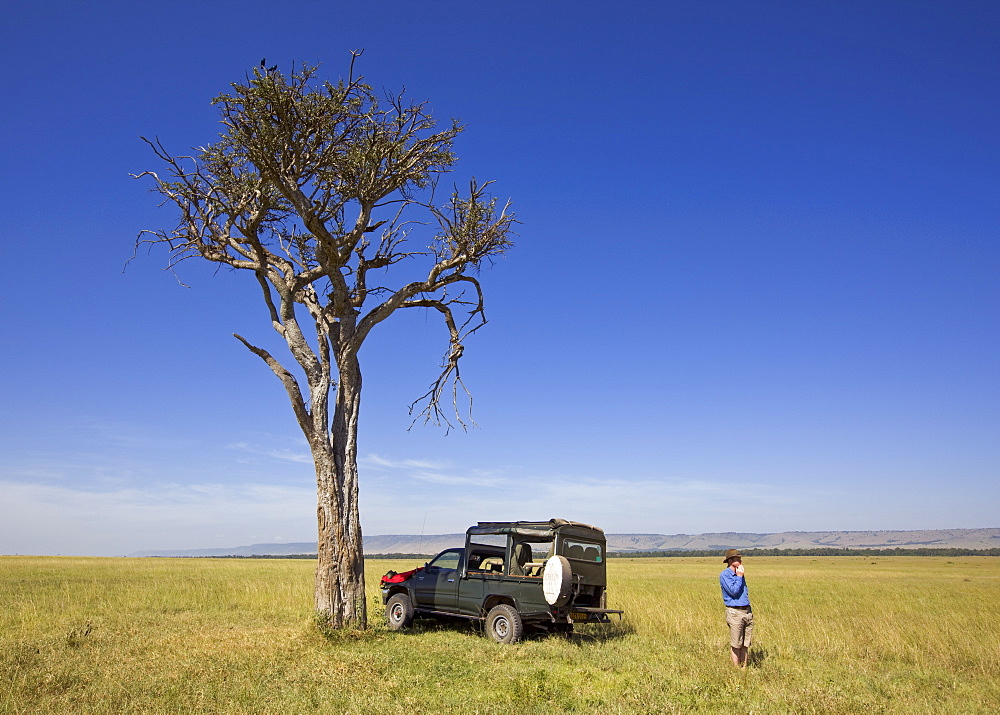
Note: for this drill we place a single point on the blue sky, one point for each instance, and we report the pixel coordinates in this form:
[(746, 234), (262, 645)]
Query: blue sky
[(754, 287)]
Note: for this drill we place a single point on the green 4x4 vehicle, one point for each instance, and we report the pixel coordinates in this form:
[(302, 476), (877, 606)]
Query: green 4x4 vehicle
[(511, 575)]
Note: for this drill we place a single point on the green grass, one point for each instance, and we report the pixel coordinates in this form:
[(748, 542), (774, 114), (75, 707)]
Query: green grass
[(833, 635)]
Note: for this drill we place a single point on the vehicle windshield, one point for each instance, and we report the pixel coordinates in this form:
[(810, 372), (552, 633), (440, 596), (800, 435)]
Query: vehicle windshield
[(446, 560)]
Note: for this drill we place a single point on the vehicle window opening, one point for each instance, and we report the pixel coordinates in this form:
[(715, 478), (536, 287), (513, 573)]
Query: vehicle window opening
[(529, 556), (486, 553), (583, 551)]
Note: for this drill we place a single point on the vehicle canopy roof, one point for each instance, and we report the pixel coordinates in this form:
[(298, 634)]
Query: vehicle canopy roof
[(537, 528)]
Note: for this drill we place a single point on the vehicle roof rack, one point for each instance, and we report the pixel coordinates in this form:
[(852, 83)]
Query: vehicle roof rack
[(550, 524)]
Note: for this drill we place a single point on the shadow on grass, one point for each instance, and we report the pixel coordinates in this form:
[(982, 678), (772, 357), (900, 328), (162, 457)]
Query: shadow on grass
[(757, 656), (602, 633), (421, 626), (349, 635), (596, 633)]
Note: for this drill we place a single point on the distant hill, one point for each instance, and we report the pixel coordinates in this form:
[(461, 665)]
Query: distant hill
[(413, 544), (936, 538)]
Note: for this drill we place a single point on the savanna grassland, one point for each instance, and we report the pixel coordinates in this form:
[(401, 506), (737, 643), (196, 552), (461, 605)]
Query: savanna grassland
[(833, 635)]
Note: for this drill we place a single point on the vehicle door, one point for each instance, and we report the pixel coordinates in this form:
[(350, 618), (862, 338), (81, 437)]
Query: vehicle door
[(436, 586)]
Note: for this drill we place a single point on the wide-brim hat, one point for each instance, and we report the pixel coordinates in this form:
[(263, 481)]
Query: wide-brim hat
[(733, 554)]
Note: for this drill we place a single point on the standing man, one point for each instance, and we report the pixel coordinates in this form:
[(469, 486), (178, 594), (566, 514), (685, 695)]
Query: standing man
[(739, 616)]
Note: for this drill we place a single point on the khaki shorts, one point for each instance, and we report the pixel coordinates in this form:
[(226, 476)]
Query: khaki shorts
[(740, 624)]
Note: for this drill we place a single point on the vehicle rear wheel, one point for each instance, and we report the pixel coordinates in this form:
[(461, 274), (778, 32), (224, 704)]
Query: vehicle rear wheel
[(504, 624), (399, 612)]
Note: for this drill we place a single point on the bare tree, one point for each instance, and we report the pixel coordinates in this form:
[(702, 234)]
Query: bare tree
[(311, 187)]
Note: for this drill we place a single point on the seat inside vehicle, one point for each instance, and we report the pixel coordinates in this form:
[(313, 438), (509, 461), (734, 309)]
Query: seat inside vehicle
[(494, 565)]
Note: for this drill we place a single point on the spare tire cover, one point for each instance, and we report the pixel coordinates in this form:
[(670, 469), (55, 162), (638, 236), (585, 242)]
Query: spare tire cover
[(557, 581)]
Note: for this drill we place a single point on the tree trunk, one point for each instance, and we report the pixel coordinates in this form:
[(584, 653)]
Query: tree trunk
[(340, 568)]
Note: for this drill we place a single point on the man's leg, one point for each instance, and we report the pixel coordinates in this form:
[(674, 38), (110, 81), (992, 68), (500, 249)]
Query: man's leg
[(747, 639), (734, 619)]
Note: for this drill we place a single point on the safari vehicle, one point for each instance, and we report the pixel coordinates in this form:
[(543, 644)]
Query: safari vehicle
[(510, 576)]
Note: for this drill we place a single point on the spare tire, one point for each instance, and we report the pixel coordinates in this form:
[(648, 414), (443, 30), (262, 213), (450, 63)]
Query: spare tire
[(557, 581)]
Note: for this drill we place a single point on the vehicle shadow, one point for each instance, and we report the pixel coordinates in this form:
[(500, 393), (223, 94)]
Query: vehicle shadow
[(602, 633), (442, 623), (581, 635), (585, 633)]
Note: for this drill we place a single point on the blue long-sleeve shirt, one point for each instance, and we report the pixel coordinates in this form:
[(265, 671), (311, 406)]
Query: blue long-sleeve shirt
[(734, 589)]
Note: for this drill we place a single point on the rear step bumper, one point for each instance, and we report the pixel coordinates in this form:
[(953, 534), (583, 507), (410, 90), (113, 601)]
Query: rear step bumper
[(586, 614)]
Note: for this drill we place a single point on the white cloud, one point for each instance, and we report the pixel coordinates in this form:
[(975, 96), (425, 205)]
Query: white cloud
[(374, 460), (452, 502), (298, 456), (47, 519), (442, 473), (456, 480), (119, 514)]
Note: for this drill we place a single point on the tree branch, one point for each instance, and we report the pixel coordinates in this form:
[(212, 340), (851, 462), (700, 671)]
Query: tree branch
[(273, 196), (450, 374), (288, 380)]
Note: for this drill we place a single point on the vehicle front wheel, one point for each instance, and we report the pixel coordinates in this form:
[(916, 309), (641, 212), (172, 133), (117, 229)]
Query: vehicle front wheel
[(504, 624), (399, 612)]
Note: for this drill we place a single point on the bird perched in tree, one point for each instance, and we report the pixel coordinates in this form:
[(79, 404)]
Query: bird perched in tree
[(263, 66)]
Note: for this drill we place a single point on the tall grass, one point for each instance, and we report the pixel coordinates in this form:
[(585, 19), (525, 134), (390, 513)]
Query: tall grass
[(838, 635)]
